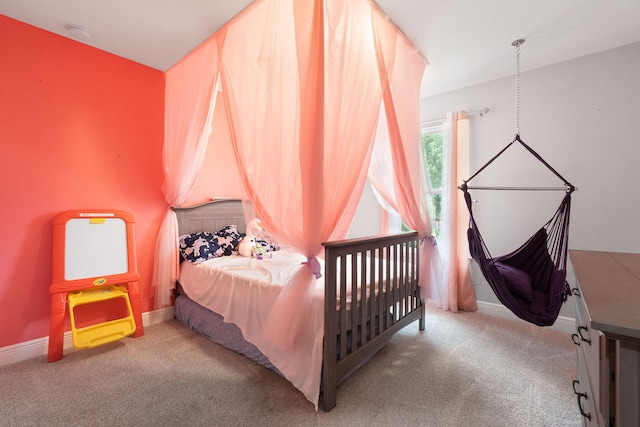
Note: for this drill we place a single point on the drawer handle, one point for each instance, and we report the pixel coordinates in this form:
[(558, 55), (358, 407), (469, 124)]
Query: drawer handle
[(574, 384), (576, 339), (576, 291), (580, 329), (584, 414)]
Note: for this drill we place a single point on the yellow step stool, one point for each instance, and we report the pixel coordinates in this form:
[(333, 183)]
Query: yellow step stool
[(100, 333)]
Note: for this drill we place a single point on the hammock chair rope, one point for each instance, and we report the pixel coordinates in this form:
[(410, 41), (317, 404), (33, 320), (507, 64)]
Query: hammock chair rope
[(530, 281), (569, 188), (517, 44)]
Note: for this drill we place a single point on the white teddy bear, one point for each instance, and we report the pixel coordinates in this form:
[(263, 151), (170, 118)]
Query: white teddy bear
[(247, 245)]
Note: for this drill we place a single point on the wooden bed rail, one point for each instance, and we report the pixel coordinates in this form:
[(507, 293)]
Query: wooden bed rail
[(374, 282)]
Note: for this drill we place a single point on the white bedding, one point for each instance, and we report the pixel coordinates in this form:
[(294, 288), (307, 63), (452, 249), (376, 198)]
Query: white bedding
[(243, 290)]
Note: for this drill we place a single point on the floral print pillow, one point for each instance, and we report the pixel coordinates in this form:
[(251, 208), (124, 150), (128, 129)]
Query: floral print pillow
[(199, 247)]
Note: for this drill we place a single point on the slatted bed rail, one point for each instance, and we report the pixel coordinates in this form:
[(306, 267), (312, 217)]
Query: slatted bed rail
[(375, 283)]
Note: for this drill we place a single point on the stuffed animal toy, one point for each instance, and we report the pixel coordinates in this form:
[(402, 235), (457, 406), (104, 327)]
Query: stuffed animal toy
[(247, 246)]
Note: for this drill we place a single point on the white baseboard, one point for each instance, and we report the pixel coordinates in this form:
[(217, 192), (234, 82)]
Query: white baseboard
[(38, 347), (562, 323)]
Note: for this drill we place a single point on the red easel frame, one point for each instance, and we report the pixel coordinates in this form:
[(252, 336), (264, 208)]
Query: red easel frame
[(60, 287)]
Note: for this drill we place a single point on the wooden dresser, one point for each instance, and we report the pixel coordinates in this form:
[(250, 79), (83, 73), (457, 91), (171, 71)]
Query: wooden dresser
[(607, 337)]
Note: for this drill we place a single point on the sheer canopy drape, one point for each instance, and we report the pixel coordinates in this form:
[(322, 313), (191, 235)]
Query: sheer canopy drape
[(396, 169), (190, 97), (302, 100)]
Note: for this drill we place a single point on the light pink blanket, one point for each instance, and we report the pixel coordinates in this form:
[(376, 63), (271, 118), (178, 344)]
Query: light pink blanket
[(243, 290)]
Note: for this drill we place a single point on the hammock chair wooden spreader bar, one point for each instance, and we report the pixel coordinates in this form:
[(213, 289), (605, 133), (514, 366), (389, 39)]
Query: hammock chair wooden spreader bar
[(567, 186)]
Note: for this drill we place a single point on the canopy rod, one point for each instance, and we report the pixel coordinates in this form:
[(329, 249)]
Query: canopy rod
[(437, 122), (483, 187)]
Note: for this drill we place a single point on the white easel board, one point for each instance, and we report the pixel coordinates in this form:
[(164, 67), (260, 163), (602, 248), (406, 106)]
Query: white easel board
[(95, 247)]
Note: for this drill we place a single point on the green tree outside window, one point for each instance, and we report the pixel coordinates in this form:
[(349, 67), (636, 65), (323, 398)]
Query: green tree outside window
[(432, 152)]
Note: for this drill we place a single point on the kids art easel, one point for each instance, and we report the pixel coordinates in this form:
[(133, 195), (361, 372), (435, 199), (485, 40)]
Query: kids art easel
[(94, 259)]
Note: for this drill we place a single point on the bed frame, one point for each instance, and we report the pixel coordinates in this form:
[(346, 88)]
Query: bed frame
[(355, 328)]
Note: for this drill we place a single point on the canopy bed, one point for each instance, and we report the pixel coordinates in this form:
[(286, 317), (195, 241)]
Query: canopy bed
[(369, 290), (305, 86)]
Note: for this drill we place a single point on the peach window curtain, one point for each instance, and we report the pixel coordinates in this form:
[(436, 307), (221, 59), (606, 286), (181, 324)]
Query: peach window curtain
[(455, 215), (190, 97), (395, 171)]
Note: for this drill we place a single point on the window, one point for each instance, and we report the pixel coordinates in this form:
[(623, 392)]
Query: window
[(433, 153), (432, 165)]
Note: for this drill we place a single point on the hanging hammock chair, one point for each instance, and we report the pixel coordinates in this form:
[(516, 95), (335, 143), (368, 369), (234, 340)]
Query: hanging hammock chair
[(530, 281)]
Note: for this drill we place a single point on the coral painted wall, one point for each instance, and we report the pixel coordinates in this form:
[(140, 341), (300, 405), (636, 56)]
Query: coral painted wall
[(218, 176), (79, 129)]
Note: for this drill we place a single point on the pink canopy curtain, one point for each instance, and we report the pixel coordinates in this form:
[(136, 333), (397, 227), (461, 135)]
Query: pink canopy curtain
[(400, 72), (190, 97), (302, 95), (293, 92), (455, 214)]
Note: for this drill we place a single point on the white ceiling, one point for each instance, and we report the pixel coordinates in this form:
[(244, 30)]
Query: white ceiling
[(466, 42)]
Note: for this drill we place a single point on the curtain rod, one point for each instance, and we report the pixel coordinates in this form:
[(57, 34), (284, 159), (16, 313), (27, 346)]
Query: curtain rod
[(437, 122)]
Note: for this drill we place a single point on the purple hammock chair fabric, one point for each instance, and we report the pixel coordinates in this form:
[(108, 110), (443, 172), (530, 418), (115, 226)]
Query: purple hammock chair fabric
[(530, 281)]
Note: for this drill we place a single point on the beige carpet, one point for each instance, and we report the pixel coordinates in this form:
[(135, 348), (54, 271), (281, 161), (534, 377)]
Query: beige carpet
[(465, 369)]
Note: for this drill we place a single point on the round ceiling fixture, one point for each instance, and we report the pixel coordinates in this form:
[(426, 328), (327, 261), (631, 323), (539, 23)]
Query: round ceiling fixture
[(79, 32)]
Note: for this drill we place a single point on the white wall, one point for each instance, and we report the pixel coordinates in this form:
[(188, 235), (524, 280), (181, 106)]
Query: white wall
[(579, 115)]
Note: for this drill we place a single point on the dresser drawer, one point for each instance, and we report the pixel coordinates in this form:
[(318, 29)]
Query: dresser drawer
[(591, 348), (584, 394)]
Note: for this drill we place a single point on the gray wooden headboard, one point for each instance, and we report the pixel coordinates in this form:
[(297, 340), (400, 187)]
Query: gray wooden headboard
[(211, 216)]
